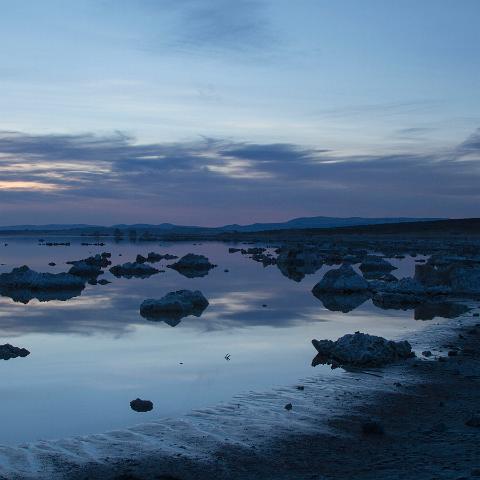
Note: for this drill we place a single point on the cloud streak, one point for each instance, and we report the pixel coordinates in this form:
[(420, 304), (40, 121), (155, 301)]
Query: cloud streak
[(211, 181)]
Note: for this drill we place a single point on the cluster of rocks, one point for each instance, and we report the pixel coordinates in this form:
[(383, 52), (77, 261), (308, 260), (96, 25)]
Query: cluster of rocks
[(174, 306), (91, 267), (360, 350), (192, 265), (433, 283)]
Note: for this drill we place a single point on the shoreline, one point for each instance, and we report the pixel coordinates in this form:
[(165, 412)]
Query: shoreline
[(421, 404)]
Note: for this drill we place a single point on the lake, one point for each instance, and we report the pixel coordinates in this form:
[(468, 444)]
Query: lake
[(92, 354)]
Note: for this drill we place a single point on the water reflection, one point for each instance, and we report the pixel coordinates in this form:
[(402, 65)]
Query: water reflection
[(94, 353), (342, 303)]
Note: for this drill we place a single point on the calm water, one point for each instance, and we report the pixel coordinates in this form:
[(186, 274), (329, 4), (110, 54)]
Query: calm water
[(92, 354)]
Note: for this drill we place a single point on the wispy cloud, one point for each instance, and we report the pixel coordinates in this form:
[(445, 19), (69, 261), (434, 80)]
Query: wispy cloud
[(226, 180)]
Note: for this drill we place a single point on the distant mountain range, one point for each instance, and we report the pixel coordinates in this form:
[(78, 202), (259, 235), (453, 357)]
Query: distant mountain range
[(296, 223)]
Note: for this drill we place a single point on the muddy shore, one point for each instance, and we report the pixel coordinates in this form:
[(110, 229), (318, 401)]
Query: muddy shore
[(424, 431)]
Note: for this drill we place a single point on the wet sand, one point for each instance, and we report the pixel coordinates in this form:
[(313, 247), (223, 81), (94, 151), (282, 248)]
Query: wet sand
[(424, 421)]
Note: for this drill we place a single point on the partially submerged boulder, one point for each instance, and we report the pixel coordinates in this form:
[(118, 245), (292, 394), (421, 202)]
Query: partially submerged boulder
[(133, 269), (341, 280), (192, 265), (8, 351), (360, 350), (174, 306)]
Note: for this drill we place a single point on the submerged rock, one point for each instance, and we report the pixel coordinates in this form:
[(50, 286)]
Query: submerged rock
[(174, 306), (141, 405), (133, 269), (360, 349), (8, 351), (192, 265), (343, 280)]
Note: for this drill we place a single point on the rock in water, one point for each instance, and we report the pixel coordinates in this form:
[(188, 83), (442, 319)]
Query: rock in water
[(373, 263), (341, 280), (174, 306), (8, 351), (192, 265), (133, 269), (141, 405), (24, 278), (362, 350)]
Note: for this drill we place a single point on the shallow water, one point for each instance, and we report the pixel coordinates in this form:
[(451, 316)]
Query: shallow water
[(92, 354)]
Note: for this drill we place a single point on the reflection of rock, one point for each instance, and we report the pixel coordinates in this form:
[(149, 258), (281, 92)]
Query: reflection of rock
[(295, 263), (360, 349), (174, 306), (343, 279), (133, 269), (24, 295), (141, 405), (428, 311), (8, 351), (192, 265), (345, 302), (373, 263)]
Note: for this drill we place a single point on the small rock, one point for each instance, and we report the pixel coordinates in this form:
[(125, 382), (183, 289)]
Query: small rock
[(288, 406), (141, 405), (452, 353), (427, 353), (300, 387)]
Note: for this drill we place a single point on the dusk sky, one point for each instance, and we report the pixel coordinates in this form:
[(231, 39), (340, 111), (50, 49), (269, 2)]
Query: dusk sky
[(233, 111)]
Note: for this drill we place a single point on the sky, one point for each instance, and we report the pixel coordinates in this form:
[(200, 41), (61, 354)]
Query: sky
[(208, 112)]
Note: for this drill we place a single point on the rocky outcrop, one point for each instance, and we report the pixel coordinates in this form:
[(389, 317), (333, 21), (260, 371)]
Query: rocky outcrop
[(174, 306), (360, 350), (192, 265), (341, 280), (133, 269), (8, 351)]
